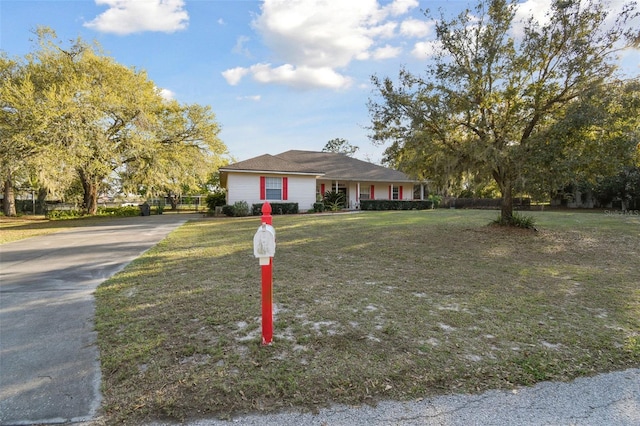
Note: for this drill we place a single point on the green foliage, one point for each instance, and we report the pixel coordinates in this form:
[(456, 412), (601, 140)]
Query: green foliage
[(517, 220), (435, 200), (216, 199), (119, 211), (71, 110), (241, 208), (505, 111), (318, 207), (126, 211), (63, 214), (340, 146), (624, 186), (334, 201), (276, 208), (238, 209), (395, 204)]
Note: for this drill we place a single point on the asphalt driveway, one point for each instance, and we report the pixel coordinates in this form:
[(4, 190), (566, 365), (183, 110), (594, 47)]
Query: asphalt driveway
[(49, 365)]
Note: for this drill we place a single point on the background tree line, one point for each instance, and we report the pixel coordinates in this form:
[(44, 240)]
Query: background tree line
[(529, 114), (72, 117)]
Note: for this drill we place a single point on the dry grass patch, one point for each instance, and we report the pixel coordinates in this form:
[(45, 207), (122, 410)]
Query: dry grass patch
[(369, 306), (19, 228)]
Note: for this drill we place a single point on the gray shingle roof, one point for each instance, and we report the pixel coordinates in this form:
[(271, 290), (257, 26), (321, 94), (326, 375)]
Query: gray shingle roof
[(342, 167), (270, 163), (329, 165)]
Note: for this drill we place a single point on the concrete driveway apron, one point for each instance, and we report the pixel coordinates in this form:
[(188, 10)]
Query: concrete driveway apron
[(49, 361)]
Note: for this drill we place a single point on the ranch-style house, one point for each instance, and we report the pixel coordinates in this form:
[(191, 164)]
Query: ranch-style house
[(303, 177)]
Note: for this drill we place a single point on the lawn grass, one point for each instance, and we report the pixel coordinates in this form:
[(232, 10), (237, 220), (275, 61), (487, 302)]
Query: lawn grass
[(368, 307), (21, 227), (18, 228)]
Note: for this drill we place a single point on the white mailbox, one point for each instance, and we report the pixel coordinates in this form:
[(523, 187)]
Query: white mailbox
[(264, 243)]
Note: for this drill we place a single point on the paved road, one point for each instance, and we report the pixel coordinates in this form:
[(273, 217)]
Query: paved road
[(49, 367)]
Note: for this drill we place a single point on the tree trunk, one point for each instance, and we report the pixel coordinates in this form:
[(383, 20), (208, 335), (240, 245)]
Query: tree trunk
[(42, 199), (90, 199), (506, 210), (506, 188), (9, 202), (173, 200)]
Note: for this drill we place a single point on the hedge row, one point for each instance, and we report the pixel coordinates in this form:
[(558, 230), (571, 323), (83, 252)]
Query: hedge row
[(276, 208), (395, 204), (484, 203), (102, 211)]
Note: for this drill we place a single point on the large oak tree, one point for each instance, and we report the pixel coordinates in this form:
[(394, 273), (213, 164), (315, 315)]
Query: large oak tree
[(491, 102), (105, 120), (27, 116)]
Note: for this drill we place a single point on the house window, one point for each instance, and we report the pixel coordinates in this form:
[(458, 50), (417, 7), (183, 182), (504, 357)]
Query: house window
[(395, 192), (273, 188), (365, 192)]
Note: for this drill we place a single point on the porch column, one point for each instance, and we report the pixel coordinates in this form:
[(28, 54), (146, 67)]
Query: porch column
[(336, 186), (421, 191), (357, 192)]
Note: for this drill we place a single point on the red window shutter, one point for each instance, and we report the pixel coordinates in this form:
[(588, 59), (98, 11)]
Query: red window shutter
[(373, 195), (322, 190), (400, 193), (263, 188), (390, 193), (285, 188)]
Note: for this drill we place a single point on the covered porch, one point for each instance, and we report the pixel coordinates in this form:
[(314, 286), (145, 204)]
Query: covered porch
[(354, 191)]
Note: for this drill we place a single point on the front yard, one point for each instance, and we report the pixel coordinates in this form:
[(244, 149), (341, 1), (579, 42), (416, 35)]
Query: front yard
[(368, 306)]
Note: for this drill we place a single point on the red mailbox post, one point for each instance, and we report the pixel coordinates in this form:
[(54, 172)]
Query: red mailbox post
[(267, 284)]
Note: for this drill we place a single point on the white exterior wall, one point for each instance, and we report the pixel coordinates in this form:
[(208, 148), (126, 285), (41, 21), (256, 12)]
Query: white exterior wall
[(381, 190), (243, 187), (246, 187), (302, 190)]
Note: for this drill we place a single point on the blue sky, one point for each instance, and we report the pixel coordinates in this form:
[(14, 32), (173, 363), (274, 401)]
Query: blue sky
[(279, 74)]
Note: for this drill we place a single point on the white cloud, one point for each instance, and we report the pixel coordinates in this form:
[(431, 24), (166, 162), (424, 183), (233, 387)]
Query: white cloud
[(255, 98), (314, 38), (540, 9), (132, 16), (289, 75), (425, 49), (317, 33), (383, 31), (400, 7), (416, 28), (234, 75), (536, 8), (299, 77), (167, 94), (240, 48), (386, 52)]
